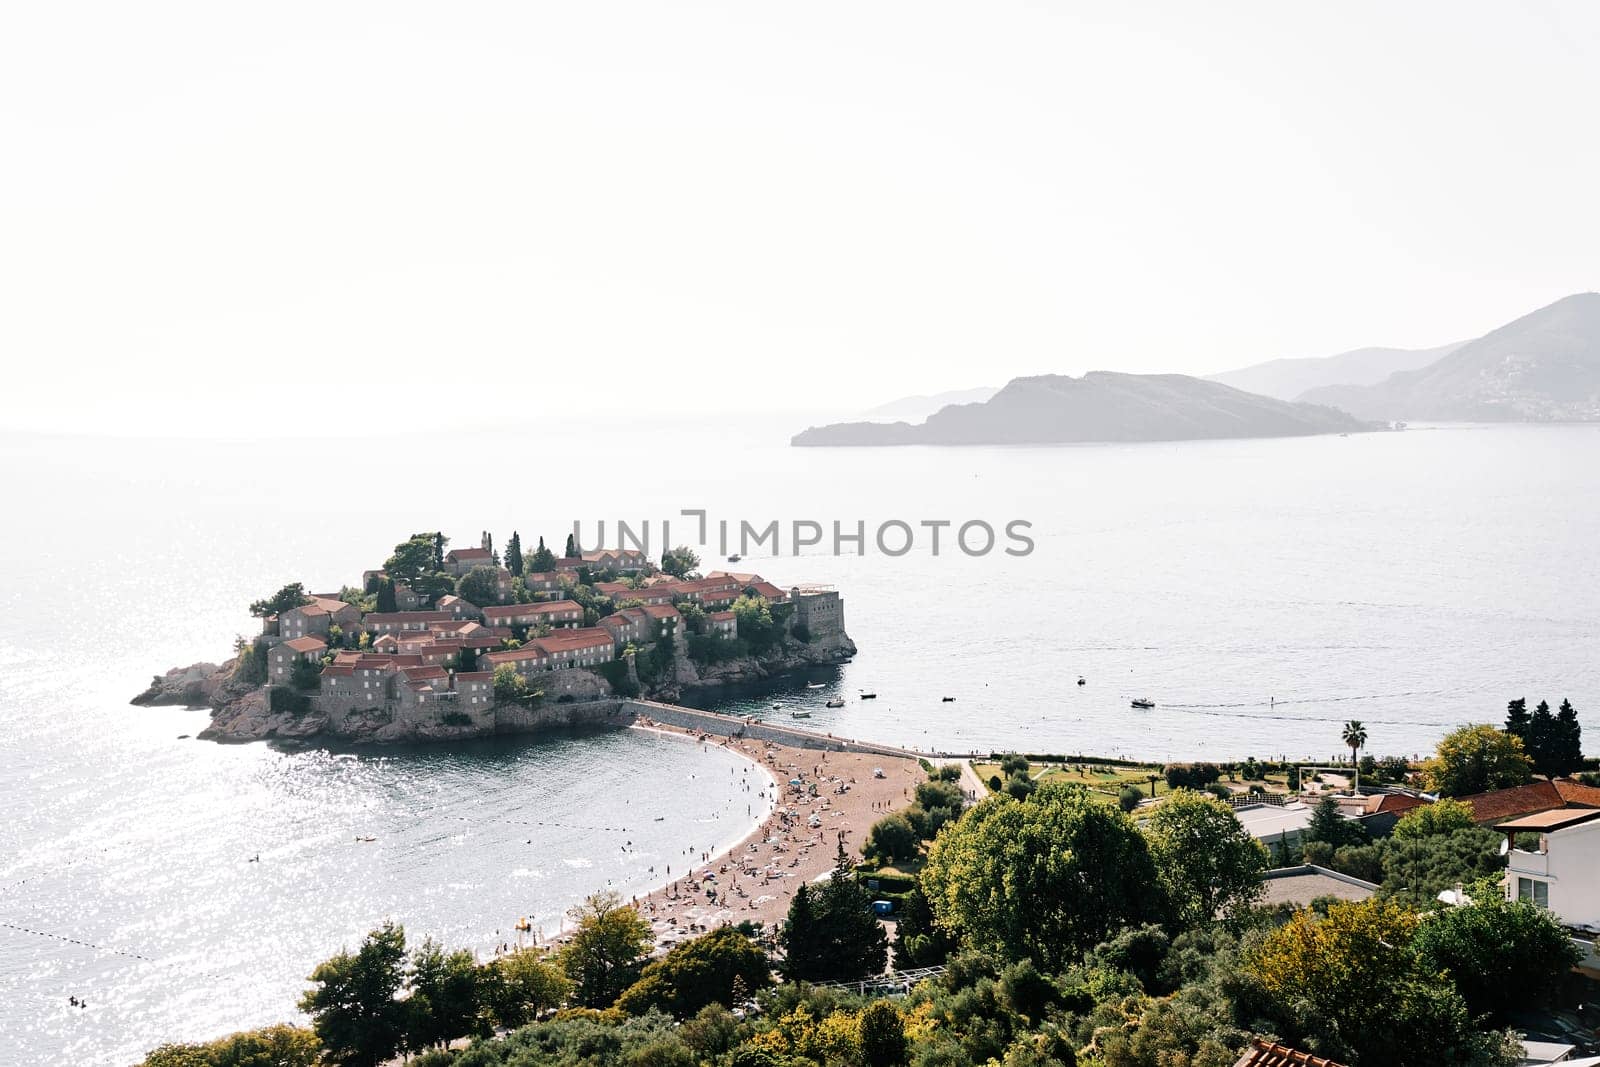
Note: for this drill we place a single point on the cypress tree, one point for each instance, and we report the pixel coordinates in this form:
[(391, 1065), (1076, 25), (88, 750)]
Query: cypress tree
[(1541, 740), (572, 546), (514, 554), (1517, 719), (1567, 744), (386, 595)]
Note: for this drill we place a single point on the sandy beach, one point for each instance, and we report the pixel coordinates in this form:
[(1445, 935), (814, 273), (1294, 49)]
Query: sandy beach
[(821, 798)]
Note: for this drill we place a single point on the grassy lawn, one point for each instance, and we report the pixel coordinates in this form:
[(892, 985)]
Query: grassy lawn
[(1105, 781)]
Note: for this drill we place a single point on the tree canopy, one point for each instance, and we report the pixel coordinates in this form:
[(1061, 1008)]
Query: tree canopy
[(1041, 879), (1476, 759), (1209, 864), (831, 933), (721, 967), (680, 561), (543, 560), (607, 951), (292, 595), (355, 1007), (480, 586), (1504, 956)]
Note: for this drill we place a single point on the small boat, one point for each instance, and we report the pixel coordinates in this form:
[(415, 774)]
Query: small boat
[(367, 840), (947, 700), (661, 818), (869, 696), (815, 685), (777, 707), (1081, 680), (799, 715), (735, 558), (836, 702), (1144, 702)]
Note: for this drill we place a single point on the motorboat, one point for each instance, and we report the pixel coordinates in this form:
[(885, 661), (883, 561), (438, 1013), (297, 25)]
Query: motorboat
[(1081, 680), (947, 700), (816, 685), (1143, 702), (836, 702), (735, 558), (869, 696), (799, 715)]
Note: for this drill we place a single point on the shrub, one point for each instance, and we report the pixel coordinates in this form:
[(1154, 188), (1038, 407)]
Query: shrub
[(1129, 798), (892, 838), (456, 718)]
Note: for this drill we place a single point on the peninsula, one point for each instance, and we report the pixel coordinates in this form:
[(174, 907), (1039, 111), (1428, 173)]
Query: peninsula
[(1098, 407), (443, 643)]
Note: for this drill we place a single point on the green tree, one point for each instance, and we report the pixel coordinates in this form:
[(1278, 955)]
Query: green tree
[(543, 561), (1328, 825), (892, 838), (480, 586), (292, 595), (1128, 798), (444, 1001), (1208, 863), (883, 1035), (355, 1007), (679, 562), (1351, 980), (1476, 759), (514, 554), (1445, 816), (831, 933), (1504, 956), (509, 686), (753, 617), (706, 970), (606, 952), (1541, 735), (386, 601), (1043, 880), (518, 986), (270, 1046), (1517, 719), (573, 551), (1354, 736), (413, 559), (1566, 741)]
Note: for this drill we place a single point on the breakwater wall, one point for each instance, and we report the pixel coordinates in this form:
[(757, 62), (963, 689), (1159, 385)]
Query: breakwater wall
[(716, 723)]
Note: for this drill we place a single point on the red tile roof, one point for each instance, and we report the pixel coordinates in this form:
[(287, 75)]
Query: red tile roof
[(398, 617), (572, 640), (306, 644), (1535, 796), (1271, 1054), (462, 554)]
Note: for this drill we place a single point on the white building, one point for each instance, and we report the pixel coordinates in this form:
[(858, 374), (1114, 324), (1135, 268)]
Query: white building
[(1561, 872)]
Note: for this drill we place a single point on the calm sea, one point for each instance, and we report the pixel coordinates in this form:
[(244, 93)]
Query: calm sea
[(1261, 592)]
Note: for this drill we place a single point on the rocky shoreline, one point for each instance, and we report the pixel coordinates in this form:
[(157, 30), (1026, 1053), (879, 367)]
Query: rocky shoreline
[(240, 712)]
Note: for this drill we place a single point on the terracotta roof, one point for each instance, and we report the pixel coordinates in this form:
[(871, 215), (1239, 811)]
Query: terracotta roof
[(306, 644), (565, 640), (1271, 1054), (406, 616), (338, 670), (422, 674), (459, 554), (1381, 802), (720, 616), (770, 591), (514, 655), (1535, 796), (660, 611), (475, 676), (1554, 819)]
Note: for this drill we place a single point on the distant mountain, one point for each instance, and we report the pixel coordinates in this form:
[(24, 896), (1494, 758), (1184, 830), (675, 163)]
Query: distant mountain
[(920, 407), (1543, 367), (1286, 379), (1100, 406)]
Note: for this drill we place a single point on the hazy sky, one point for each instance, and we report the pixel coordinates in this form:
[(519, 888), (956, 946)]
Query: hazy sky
[(283, 214)]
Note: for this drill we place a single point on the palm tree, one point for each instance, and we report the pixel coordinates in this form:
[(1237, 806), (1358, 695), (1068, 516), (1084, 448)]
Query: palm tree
[(1355, 737)]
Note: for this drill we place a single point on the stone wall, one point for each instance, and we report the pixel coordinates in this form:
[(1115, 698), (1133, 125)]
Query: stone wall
[(729, 726)]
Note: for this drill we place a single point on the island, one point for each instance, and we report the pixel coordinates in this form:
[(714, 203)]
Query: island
[(443, 643), (1101, 406)]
